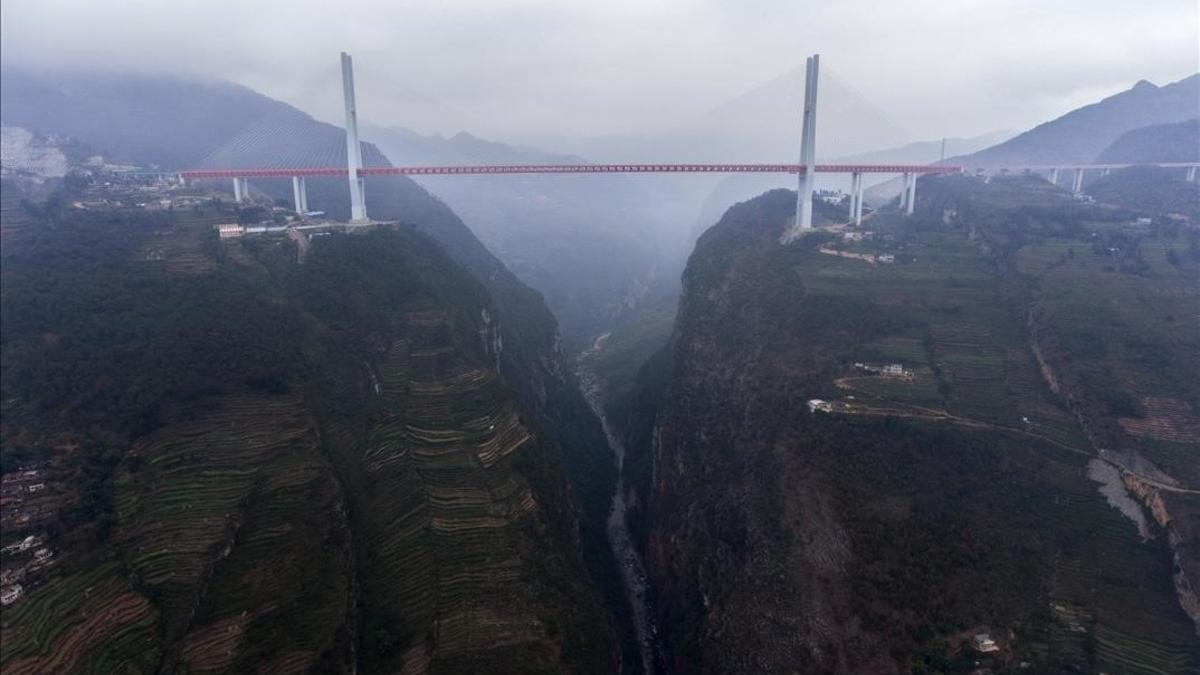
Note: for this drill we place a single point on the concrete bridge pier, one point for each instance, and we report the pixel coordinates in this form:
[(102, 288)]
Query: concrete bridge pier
[(354, 161), (912, 194), (858, 202), (1077, 184), (300, 194), (1104, 172), (1191, 174), (855, 194), (1054, 176), (808, 145), (904, 194), (241, 189)]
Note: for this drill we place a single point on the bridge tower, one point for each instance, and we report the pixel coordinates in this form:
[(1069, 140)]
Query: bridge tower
[(358, 204), (808, 145)]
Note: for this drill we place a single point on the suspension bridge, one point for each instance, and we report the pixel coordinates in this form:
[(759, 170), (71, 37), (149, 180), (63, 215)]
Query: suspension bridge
[(357, 173)]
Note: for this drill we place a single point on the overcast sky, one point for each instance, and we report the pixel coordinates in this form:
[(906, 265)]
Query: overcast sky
[(520, 70)]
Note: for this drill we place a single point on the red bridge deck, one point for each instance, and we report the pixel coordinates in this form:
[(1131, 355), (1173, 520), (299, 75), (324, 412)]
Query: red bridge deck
[(568, 168)]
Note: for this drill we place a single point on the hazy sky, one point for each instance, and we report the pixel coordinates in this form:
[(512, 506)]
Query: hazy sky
[(526, 69)]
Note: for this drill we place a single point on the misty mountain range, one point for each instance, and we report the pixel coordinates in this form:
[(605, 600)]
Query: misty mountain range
[(1081, 135), (628, 235)]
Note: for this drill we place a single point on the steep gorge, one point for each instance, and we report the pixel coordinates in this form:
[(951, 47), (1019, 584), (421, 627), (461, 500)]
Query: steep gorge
[(880, 537)]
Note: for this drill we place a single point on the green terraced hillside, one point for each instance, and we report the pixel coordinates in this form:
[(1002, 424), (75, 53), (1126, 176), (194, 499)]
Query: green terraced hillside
[(276, 467), (1021, 347)]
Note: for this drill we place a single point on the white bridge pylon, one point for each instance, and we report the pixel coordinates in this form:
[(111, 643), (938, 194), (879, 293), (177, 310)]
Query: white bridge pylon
[(358, 204), (808, 144)]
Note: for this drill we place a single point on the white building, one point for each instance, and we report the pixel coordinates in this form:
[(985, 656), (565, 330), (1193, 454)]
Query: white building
[(10, 594), (23, 545), (229, 230), (984, 643), (817, 405)]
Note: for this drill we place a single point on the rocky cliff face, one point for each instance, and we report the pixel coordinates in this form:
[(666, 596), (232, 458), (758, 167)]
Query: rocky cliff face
[(923, 508), (733, 493), (254, 464)]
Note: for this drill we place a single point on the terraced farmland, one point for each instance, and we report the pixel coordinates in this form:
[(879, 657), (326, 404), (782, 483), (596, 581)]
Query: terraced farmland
[(180, 248), (1121, 331), (89, 621), (217, 519), (960, 322), (448, 519), (284, 467)]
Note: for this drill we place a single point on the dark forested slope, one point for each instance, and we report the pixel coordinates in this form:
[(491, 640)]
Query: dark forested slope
[(179, 123), (250, 463), (961, 496), (1178, 142)]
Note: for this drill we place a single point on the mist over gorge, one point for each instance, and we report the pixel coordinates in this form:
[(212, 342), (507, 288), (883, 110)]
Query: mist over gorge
[(572, 338)]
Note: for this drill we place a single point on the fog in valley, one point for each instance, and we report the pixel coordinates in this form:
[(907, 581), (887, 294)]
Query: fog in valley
[(550, 336)]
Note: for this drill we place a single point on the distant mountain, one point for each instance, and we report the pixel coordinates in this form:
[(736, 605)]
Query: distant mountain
[(143, 119), (761, 124), (1083, 134), (180, 123), (590, 244), (928, 152), (1179, 142), (410, 147)]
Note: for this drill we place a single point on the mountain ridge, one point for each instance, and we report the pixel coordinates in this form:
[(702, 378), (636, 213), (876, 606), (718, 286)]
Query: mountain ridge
[(1081, 135)]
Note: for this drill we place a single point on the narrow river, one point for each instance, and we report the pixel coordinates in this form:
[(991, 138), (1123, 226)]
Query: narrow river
[(633, 572)]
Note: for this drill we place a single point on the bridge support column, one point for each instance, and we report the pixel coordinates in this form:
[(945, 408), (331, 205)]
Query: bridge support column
[(1104, 172), (1054, 176), (358, 204), (854, 180), (912, 194), (808, 141), (1077, 184), (904, 192), (182, 181), (300, 194), (241, 189), (1191, 174), (858, 202)]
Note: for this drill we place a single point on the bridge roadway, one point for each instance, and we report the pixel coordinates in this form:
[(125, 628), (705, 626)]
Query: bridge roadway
[(201, 174), (908, 193), (281, 172)]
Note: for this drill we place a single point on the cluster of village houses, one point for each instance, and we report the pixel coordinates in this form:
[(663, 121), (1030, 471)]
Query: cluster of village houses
[(31, 553), (152, 192), (894, 370), (887, 370)]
